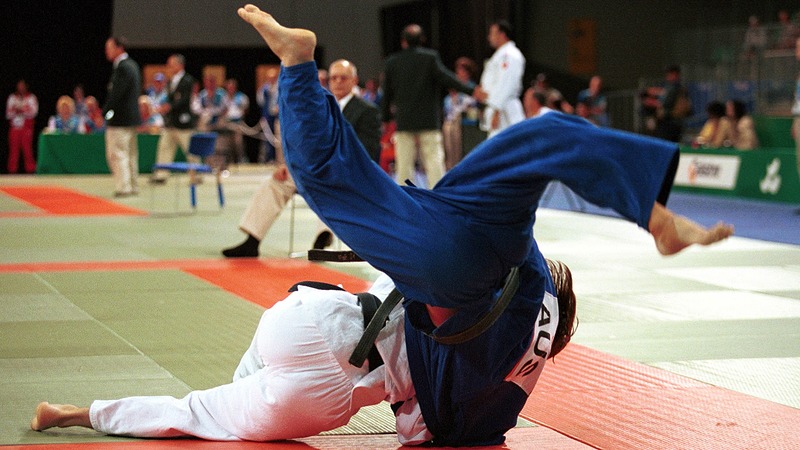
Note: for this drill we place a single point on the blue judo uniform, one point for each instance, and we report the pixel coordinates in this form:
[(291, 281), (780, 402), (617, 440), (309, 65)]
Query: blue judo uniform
[(453, 246)]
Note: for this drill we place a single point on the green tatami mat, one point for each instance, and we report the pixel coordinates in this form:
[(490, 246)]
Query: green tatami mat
[(72, 337)]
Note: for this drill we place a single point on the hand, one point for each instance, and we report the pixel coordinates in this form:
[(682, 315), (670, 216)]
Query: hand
[(479, 94), (495, 120), (281, 173)]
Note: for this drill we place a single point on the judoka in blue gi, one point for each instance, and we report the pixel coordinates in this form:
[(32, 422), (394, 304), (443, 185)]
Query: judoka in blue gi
[(451, 250)]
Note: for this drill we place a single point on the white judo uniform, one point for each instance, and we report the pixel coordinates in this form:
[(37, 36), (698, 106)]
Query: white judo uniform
[(502, 81), (293, 381)]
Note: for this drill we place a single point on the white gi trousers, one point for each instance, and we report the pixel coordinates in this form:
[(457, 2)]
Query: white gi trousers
[(293, 381)]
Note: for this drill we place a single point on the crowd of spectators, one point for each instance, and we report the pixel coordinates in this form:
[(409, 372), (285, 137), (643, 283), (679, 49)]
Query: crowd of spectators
[(219, 103)]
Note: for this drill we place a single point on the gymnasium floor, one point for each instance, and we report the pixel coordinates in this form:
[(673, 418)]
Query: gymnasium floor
[(103, 298)]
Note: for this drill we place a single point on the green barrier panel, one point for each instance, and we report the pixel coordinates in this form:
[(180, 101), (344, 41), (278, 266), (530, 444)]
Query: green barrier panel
[(86, 153), (763, 174), (774, 131)]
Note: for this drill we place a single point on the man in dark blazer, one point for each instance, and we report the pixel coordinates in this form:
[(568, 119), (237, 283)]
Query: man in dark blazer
[(179, 120), (415, 80), (361, 114), (275, 192), (121, 112)]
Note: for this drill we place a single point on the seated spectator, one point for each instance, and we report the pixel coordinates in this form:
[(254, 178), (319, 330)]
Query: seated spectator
[(744, 129), (534, 103), (555, 100), (455, 107), (65, 121), (152, 121), (718, 130), (79, 97), (157, 91), (595, 102), (209, 104), (236, 105), (372, 92), (93, 122)]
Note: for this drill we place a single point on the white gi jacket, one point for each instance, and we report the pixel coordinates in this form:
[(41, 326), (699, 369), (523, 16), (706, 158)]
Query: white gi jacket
[(502, 81)]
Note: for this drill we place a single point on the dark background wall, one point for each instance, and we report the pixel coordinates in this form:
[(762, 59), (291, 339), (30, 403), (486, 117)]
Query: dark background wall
[(56, 44)]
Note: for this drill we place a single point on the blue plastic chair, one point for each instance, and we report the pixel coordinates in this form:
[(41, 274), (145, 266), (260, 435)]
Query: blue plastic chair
[(201, 145)]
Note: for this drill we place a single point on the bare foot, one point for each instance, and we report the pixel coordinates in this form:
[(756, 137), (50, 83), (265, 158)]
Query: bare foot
[(292, 45), (49, 416), (674, 233)]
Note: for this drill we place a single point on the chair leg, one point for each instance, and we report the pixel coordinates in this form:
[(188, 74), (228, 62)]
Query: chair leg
[(219, 192), (193, 193)]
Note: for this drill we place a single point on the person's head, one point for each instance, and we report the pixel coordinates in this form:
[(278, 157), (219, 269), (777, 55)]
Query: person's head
[(22, 87), (65, 106), (92, 106), (342, 78), (595, 84), (715, 109), (542, 83), (752, 21), (115, 46), (672, 73), (175, 64), (371, 85), (158, 81), (783, 16), (465, 69), (78, 93), (532, 101), (210, 84), (582, 109), (412, 36), (736, 109), (231, 86), (322, 76), (500, 32), (567, 306)]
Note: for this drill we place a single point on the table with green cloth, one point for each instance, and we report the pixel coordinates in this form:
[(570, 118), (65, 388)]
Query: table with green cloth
[(86, 153)]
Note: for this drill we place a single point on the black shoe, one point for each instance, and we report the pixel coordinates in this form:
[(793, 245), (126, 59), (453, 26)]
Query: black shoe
[(158, 180), (324, 239), (247, 249), (124, 194)]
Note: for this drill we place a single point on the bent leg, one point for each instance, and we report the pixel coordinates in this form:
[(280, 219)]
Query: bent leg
[(265, 206)]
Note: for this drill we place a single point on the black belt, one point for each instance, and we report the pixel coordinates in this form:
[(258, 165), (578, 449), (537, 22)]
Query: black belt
[(366, 344), (374, 320)]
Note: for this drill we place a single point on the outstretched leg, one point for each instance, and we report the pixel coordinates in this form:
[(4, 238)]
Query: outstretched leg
[(672, 233), (51, 415), (292, 45)]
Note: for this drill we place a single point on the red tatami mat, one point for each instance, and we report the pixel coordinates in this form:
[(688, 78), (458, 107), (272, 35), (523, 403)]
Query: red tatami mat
[(517, 439), (59, 201), (609, 402), (261, 281)]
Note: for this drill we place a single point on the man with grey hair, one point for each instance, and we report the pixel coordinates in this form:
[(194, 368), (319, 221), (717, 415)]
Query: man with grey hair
[(276, 191)]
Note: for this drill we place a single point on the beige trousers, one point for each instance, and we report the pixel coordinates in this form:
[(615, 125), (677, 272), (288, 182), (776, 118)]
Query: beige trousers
[(430, 150), (122, 156), (168, 142)]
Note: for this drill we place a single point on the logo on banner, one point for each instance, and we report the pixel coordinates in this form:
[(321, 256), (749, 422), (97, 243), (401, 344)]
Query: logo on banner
[(771, 183), (708, 171)]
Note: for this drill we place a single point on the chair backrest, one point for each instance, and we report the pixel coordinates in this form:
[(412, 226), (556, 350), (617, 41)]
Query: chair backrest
[(202, 144)]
